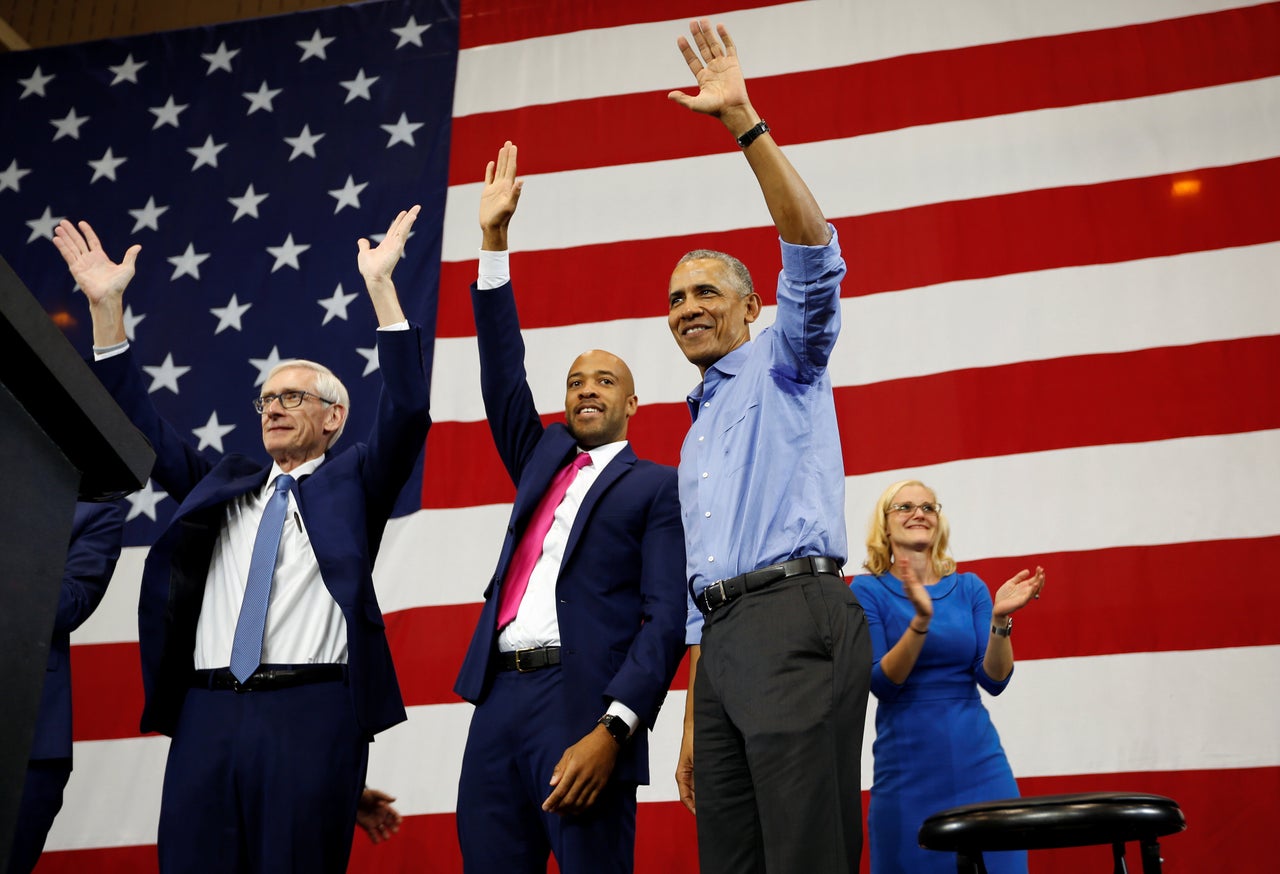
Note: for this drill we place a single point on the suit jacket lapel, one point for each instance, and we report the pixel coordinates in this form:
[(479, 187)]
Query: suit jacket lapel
[(225, 490), (614, 470)]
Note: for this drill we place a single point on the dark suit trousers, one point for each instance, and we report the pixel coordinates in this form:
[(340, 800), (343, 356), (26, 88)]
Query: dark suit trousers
[(41, 801), (262, 782), (780, 699), (515, 741)]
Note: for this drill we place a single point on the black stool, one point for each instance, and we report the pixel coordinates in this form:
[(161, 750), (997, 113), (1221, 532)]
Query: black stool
[(1052, 821)]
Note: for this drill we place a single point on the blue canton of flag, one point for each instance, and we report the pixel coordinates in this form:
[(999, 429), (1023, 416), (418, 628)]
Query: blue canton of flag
[(246, 159)]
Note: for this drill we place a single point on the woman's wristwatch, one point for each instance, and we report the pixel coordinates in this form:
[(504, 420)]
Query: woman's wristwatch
[(1003, 632)]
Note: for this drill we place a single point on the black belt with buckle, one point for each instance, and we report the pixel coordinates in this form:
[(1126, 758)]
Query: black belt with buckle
[(269, 677), (721, 592), (532, 659)]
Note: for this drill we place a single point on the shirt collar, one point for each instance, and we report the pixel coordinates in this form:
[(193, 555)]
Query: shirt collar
[(729, 365), (305, 469), (602, 455)]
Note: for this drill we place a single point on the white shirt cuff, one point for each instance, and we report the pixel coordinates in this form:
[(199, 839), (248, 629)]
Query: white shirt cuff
[(495, 269), (617, 708), (101, 352)]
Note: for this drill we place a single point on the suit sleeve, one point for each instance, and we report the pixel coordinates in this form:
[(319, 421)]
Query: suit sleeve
[(645, 676), (504, 382), (403, 417), (178, 467), (96, 536)]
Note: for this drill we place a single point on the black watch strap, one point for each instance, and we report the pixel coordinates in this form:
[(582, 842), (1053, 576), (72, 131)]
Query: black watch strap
[(750, 136), (617, 726)]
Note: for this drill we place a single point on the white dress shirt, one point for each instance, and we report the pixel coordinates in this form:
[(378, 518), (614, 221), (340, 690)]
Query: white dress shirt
[(304, 624)]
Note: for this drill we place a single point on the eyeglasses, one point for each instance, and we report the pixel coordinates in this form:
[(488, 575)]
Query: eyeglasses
[(910, 508), (289, 400)]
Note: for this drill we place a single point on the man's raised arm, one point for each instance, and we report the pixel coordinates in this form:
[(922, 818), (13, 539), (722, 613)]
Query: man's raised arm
[(722, 93)]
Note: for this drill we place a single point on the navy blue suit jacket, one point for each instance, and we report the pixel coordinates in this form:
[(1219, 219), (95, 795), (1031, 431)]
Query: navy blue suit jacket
[(621, 591), (96, 534), (346, 504)]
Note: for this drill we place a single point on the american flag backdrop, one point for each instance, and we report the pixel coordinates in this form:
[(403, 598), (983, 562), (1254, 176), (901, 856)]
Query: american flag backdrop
[(1062, 223)]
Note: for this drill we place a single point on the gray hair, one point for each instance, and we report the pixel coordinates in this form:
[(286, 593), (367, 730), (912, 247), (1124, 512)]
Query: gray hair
[(738, 271)]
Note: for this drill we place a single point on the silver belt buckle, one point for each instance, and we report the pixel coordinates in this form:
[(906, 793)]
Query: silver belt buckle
[(723, 597)]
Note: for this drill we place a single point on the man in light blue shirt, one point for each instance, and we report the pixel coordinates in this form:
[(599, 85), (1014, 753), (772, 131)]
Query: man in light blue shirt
[(779, 646)]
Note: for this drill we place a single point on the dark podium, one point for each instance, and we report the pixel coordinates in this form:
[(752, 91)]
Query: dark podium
[(62, 438)]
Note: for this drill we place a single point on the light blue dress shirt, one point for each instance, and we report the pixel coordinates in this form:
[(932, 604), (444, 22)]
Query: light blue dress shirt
[(761, 469)]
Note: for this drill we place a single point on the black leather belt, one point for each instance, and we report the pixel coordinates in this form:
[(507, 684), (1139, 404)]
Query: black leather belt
[(532, 659), (269, 677), (721, 592)]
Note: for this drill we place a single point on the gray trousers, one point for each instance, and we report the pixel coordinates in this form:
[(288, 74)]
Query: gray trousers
[(780, 699)]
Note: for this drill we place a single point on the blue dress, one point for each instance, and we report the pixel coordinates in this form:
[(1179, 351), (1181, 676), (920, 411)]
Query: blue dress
[(935, 746)]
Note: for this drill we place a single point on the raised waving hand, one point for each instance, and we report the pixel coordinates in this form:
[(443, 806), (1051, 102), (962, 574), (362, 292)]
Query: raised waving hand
[(714, 63), (102, 280), (499, 198), (377, 262)]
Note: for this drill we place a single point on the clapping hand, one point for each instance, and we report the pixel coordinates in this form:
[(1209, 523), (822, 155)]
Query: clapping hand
[(914, 588), (1017, 592)]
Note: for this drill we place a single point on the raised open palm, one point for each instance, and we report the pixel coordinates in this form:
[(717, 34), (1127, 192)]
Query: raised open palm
[(720, 81), (97, 275), (376, 262)]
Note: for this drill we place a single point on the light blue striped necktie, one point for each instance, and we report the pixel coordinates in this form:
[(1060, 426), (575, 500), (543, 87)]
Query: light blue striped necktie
[(246, 648)]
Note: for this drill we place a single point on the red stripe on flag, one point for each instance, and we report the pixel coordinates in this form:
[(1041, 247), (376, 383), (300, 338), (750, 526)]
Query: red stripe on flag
[(106, 860), (427, 666), (1155, 592), (1098, 399), (1106, 223), (462, 467), (891, 94), (106, 690), (1128, 397)]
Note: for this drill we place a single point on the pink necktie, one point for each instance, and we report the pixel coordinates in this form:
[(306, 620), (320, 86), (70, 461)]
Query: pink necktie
[(530, 548)]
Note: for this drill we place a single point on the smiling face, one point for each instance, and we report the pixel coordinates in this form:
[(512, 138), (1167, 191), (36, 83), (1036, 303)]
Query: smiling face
[(599, 398), (707, 314), (916, 531), (294, 436)]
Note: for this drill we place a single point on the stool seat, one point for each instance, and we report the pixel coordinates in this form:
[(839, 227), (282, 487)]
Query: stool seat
[(1053, 821)]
